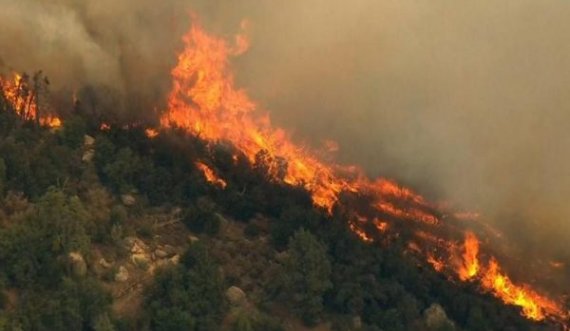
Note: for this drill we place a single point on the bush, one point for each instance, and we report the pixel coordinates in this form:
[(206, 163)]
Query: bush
[(190, 293), (202, 217), (307, 275), (251, 231)]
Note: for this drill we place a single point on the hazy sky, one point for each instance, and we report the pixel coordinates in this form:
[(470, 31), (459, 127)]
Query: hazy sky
[(466, 101)]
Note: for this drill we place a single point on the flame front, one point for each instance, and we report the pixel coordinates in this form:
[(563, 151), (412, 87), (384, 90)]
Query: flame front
[(470, 266), (205, 102), (23, 100), (492, 279), (210, 175)]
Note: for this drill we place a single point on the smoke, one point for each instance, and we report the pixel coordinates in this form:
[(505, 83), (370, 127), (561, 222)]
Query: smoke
[(123, 48), (465, 101)]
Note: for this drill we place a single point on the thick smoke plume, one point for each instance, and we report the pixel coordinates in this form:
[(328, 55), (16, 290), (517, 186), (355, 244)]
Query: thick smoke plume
[(118, 52), (467, 101)]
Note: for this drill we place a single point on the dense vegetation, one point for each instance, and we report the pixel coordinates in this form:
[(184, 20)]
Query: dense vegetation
[(58, 211)]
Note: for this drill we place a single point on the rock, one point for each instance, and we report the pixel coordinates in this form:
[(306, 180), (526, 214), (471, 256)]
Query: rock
[(170, 250), (104, 263), (222, 219), (128, 199), (122, 275), (78, 265), (175, 259), (176, 211), (130, 241), (88, 155), (192, 239), (236, 296), (138, 247), (436, 318), (356, 323), (159, 253), (141, 260), (88, 140)]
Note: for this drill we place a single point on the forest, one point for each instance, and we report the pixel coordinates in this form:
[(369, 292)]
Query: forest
[(104, 226)]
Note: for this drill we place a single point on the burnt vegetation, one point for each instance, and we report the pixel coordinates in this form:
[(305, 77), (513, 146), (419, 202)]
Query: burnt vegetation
[(69, 193)]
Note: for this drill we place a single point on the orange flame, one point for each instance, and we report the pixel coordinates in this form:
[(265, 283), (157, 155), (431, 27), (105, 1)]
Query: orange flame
[(205, 102), (151, 133), (470, 266), (436, 263), (210, 175), (534, 306), (23, 101), (360, 233)]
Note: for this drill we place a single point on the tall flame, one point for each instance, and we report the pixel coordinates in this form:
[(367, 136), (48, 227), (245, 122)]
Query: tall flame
[(205, 102), (470, 266), (23, 100), (210, 175), (493, 280)]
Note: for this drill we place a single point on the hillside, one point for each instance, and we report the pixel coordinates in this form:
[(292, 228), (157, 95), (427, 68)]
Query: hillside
[(113, 227)]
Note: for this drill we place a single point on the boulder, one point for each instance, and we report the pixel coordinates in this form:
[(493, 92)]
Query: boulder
[(130, 241), (192, 239), (122, 275), (139, 247), (141, 260), (236, 296), (104, 263), (128, 199), (436, 318), (170, 250), (88, 155), (78, 265), (175, 259), (160, 254), (88, 140)]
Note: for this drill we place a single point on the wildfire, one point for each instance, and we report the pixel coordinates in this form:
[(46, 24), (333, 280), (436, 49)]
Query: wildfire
[(436, 263), (534, 305), (205, 102), (210, 175), (470, 266), (151, 133), (492, 279), (23, 99), (360, 233)]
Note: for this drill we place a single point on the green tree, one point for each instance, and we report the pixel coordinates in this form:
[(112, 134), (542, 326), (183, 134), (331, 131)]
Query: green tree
[(2, 177), (123, 171), (54, 227), (103, 323), (73, 131), (205, 290), (307, 275), (476, 320), (190, 294)]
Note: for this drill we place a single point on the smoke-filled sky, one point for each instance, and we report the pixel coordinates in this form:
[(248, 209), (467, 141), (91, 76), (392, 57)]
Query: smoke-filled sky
[(466, 101)]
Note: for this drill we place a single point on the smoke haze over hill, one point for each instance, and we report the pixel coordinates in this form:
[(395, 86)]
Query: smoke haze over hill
[(467, 101)]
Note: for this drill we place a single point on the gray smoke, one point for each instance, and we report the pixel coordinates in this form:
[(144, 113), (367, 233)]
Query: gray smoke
[(466, 101), (126, 47)]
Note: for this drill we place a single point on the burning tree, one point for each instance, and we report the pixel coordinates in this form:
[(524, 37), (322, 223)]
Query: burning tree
[(27, 97)]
